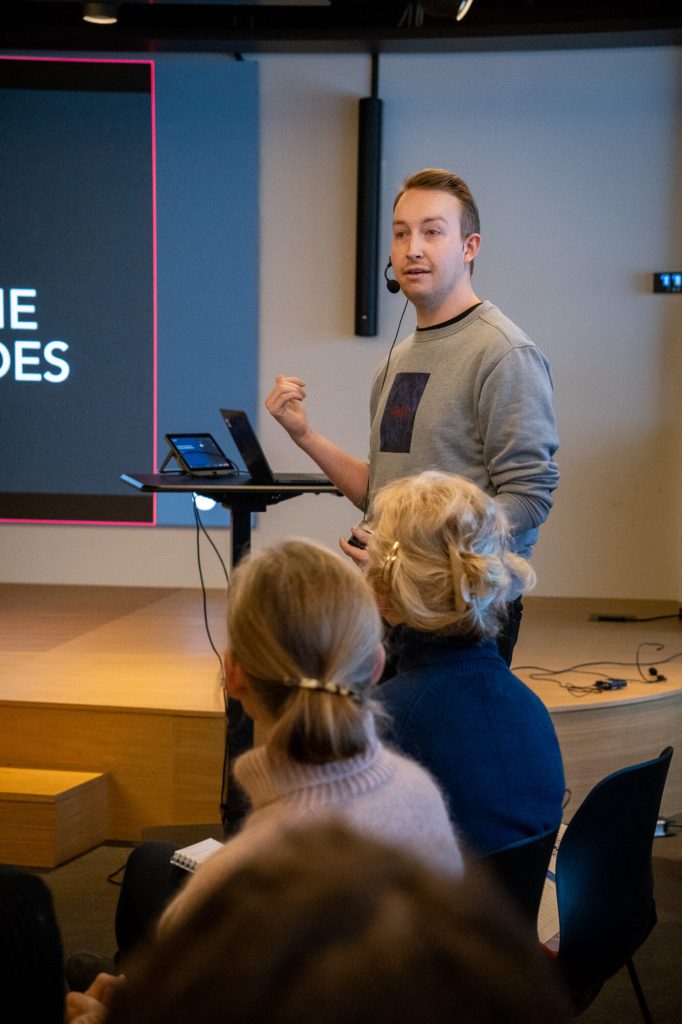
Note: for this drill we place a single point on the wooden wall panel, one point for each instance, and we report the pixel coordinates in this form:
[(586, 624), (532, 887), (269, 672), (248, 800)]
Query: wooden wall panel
[(164, 769)]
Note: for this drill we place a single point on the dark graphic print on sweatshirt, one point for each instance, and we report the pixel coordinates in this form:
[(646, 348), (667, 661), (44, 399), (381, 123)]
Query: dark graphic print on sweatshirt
[(397, 422)]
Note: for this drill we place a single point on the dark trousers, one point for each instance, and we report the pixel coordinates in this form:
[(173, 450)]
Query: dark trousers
[(509, 634), (149, 883)]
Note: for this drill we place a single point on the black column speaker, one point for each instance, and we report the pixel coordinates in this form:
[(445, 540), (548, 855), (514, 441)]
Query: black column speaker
[(369, 199)]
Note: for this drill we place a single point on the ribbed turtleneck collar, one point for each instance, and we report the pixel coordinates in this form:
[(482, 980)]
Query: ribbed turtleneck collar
[(267, 775)]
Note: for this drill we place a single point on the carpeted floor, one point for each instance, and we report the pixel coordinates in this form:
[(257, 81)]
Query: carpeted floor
[(86, 902)]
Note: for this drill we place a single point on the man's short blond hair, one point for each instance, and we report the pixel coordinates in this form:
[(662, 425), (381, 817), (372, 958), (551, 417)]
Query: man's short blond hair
[(439, 180)]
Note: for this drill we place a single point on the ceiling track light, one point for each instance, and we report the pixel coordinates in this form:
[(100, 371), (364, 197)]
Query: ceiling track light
[(100, 13), (442, 9), (463, 9)]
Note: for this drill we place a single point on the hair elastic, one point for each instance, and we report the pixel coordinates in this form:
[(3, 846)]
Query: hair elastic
[(317, 684)]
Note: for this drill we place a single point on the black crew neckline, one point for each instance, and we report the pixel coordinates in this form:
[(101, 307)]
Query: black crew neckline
[(454, 320)]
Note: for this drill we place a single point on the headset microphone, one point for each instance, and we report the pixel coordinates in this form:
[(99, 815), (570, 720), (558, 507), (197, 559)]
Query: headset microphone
[(391, 283)]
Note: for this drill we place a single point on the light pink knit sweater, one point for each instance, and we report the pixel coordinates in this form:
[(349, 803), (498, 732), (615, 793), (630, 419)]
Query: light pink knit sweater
[(380, 792)]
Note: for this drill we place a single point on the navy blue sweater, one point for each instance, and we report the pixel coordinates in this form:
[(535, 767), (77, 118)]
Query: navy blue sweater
[(485, 737)]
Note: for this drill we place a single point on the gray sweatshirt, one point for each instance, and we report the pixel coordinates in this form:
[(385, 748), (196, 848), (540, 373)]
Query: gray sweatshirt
[(473, 398)]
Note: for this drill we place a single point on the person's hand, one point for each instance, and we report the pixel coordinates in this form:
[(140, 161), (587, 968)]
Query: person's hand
[(358, 554), (285, 403), (90, 1007)]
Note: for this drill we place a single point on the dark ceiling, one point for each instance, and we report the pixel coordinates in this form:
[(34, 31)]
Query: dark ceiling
[(381, 26)]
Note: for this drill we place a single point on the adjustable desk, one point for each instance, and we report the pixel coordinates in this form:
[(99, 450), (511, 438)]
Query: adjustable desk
[(242, 499), (235, 493)]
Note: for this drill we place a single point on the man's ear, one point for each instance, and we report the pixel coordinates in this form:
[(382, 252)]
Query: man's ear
[(472, 244), (379, 664)]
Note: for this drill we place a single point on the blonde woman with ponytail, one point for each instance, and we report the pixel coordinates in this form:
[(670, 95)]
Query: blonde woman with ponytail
[(305, 650), (304, 653), (444, 571)]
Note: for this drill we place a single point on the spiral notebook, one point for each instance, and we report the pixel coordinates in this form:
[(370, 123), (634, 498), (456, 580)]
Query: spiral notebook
[(548, 916), (190, 857)]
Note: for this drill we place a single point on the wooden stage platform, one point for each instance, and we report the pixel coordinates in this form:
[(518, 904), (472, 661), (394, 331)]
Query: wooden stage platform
[(122, 680), (602, 732)]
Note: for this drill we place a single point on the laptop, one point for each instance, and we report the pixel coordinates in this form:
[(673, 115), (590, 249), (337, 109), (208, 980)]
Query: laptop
[(248, 445)]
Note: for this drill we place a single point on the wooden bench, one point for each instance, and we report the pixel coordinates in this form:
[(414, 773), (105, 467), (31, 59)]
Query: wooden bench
[(48, 816)]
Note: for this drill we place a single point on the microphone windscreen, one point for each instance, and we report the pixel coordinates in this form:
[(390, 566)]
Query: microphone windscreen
[(391, 283)]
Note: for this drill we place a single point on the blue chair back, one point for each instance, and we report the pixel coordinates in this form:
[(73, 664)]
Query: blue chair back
[(604, 880), (521, 869)]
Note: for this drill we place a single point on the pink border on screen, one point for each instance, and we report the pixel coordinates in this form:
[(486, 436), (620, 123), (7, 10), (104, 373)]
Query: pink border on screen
[(120, 60)]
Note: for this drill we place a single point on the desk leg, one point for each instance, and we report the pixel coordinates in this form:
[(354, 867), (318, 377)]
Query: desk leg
[(241, 534), (239, 725)]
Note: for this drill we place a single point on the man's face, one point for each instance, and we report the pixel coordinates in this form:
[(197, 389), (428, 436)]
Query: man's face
[(428, 253)]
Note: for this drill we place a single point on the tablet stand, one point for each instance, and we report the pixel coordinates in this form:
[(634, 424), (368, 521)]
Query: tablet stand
[(169, 456)]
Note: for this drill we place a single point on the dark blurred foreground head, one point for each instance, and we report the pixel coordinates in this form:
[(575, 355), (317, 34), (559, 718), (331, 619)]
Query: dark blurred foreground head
[(329, 927), (31, 960)]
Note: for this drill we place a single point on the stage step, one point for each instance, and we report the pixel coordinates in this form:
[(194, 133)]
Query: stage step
[(48, 816)]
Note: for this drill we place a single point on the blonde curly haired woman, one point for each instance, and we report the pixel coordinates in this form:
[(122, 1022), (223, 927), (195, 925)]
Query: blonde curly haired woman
[(443, 570)]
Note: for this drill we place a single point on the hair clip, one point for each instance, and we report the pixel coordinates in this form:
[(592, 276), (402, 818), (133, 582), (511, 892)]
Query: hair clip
[(390, 559)]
